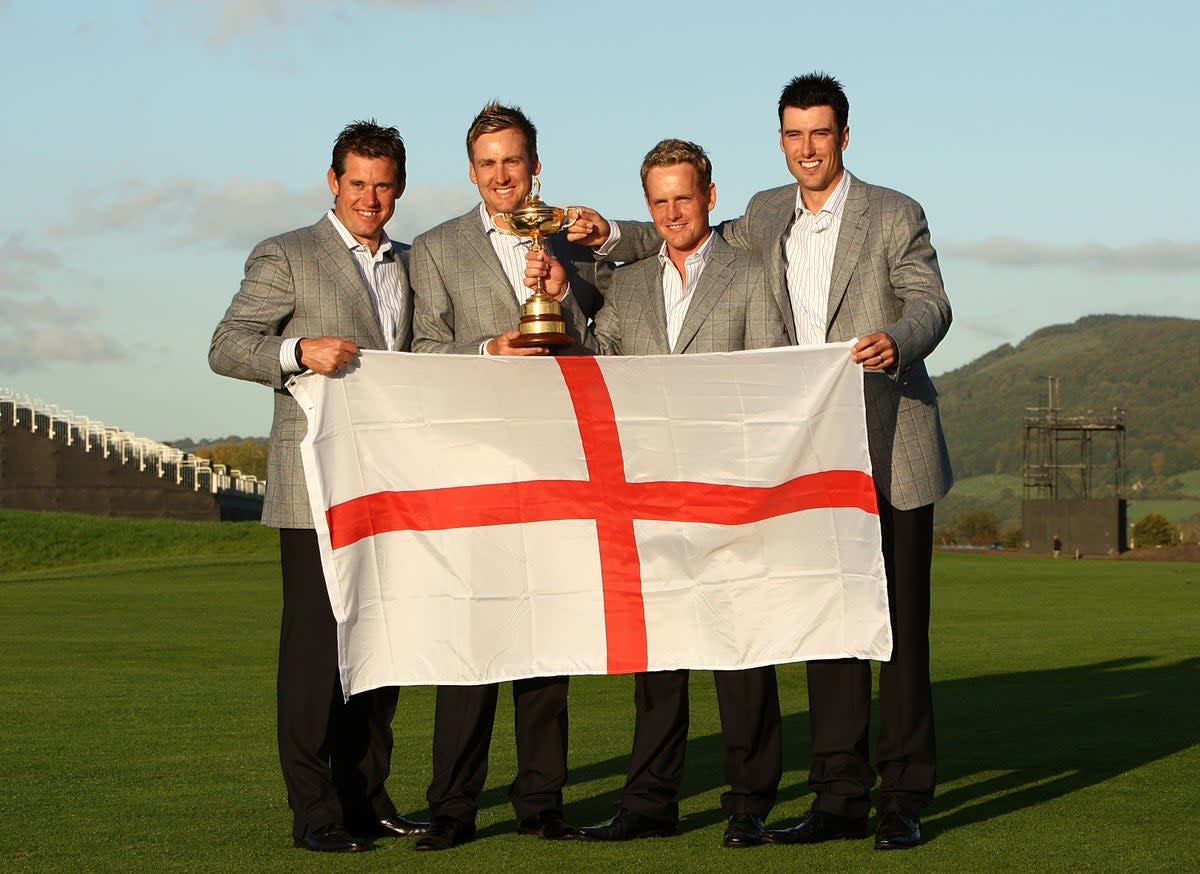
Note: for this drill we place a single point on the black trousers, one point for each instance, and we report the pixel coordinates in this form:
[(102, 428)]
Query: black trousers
[(462, 734), (335, 755), (750, 725), (839, 691)]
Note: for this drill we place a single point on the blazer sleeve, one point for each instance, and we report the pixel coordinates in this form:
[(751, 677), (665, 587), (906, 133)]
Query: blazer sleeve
[(638, 240), (917, 281), (246, 342)]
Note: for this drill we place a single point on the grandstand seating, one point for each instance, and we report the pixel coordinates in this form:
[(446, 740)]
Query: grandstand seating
[(234, 495)]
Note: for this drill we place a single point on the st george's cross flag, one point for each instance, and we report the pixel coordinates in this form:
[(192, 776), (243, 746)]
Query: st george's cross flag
[(485, 519)]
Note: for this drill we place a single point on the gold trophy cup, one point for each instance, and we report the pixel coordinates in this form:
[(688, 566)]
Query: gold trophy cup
[(541, 316)]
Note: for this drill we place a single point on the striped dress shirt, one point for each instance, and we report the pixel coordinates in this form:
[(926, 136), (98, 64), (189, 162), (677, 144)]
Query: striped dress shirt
[(809, 247), (510, 249), (677, 290)]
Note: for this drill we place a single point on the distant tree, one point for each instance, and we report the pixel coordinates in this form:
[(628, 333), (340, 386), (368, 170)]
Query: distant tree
[(1154, 529), (248, 455), (1014, 538), (943, 536), (977, 527), (1158, 463)]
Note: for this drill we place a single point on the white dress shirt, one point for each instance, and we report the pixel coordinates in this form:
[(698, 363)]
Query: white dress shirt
[(677, 290), (510, 249), (809, 247)]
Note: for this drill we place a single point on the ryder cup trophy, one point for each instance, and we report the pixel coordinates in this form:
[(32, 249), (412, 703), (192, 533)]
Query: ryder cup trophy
[(541, 316)]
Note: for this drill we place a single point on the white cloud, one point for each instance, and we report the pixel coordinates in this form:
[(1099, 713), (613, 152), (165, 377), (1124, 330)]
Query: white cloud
[(19, 263), (42, 331), (240, 212), (1154, 256), (424, 206), (228, 19), (186, 211)]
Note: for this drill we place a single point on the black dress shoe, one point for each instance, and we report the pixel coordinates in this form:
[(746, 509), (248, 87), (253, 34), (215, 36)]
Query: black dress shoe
[(329, 839), (897, 831), (744, 830), (550, 825), (627, 825), (395, 826), (445, 832), (819, 826)]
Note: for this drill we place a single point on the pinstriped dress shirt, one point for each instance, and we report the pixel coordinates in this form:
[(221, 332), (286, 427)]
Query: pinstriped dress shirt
[(677, 290), (809, 247), (510, 249)]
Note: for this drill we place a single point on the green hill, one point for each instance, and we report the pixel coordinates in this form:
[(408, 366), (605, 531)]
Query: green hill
[(1145, 365)]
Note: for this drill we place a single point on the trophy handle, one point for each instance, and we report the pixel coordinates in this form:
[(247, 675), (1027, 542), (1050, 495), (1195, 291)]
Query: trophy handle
[(570, 221)]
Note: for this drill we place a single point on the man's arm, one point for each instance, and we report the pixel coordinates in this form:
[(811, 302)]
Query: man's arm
[(246, 342), (638, 239), (917, 281)]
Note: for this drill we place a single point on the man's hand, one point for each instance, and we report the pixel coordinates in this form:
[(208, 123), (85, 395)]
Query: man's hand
[(590, 228), (545, 266), (326, 355), (876, 351), (502, 345)]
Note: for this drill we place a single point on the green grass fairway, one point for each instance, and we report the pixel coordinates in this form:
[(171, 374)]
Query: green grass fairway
[(138, 732)]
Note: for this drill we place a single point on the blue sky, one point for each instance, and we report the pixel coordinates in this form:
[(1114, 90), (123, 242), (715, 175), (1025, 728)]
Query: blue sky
[(150, 143)]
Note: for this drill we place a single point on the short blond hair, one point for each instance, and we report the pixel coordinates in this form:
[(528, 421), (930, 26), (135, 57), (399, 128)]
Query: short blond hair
[(670, 152), (496, 117)]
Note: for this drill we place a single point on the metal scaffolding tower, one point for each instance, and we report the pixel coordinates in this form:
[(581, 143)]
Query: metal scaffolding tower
[(1061, 457)]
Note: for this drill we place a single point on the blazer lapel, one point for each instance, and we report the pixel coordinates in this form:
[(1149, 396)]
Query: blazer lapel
[(349, 282), (714, 281), (479, 250), (851, 237), (774, 255)]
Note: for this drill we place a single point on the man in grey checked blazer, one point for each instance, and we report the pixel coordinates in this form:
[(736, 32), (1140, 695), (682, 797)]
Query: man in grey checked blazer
[(467, 274), (698, 295), (310, 299), (885, 289)]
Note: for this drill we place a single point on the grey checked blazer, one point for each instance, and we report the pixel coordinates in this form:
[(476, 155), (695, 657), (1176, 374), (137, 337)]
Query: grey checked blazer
[(731, 308), (885, 278), (462, 297), (304, 283)]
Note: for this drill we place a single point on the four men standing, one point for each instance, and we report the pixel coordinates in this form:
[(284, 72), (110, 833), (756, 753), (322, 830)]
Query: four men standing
[(827, 259)]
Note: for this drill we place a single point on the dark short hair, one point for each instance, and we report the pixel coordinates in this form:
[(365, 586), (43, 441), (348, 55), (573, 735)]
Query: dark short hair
[(368, 140), (670, 152), (496, 117), (816, 89)]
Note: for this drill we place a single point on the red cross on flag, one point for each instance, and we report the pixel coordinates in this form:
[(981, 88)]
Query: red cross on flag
[(486, 519)]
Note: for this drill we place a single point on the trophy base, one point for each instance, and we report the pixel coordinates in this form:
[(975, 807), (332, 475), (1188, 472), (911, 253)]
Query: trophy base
[(551, 340)]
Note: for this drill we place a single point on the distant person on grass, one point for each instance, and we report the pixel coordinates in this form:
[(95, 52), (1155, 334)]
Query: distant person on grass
[(311, 299)]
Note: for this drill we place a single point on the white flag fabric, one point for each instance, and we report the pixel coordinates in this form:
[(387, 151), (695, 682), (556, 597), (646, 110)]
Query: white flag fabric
[(485, 519)]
